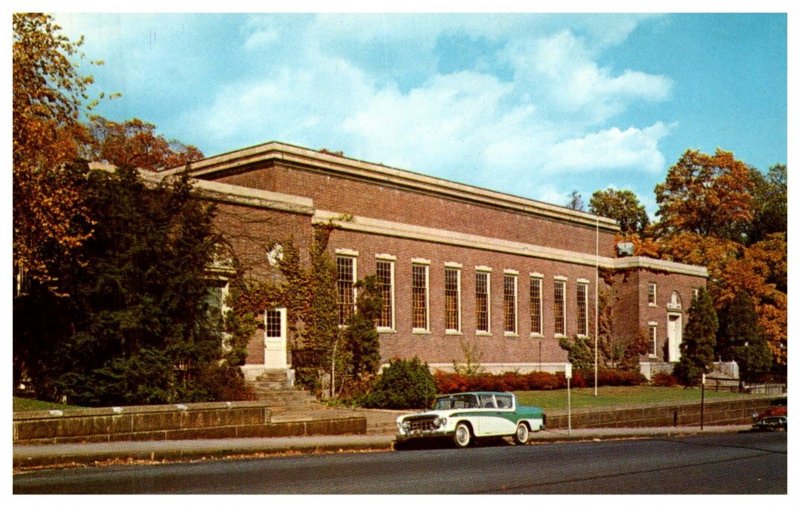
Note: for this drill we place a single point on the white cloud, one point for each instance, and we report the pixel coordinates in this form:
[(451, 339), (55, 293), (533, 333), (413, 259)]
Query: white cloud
[(443, 122), (561, 73), (610, 148), (536, 101)]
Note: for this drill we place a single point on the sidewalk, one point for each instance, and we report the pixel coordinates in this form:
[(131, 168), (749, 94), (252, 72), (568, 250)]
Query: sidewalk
[(54, 455)]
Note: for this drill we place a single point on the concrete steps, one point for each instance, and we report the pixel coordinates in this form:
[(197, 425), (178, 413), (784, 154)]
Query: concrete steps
[(286, 400), (288, 403), (276, 390)]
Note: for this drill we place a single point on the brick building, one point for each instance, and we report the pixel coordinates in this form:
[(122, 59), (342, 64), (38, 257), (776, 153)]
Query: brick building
[(464, 270)]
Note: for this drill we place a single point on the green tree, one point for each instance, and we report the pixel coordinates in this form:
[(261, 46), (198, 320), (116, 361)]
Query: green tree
[(138, 326), (699, 340), (403, 384), (742, 339), (578, 351), (623, 206), (771, 200), (361, 338), (575, 201)]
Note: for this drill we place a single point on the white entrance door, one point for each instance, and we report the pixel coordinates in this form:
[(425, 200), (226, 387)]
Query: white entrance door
[(275, 339), (674, 336)]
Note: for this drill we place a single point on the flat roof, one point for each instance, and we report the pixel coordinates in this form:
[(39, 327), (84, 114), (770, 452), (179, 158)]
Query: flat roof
[(242, 160)]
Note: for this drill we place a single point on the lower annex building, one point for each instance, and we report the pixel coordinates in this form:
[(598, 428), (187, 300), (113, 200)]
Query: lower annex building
[(461, 268)]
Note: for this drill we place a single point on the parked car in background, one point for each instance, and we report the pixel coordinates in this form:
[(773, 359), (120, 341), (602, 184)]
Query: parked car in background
[(467, 416), (777, 408), (771, 423), (774, 417)]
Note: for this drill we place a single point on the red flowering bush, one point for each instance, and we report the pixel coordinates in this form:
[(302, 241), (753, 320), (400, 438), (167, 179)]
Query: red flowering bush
[(663, 380), (448, 383)]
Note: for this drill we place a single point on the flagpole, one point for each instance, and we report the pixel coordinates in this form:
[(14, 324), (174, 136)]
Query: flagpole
[(596, 292)]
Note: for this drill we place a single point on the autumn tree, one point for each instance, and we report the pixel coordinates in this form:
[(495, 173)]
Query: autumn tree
[(136, 143), (51, 219), (720, 213), (699, 340), (621, 205), (706, 195), (761, 272)]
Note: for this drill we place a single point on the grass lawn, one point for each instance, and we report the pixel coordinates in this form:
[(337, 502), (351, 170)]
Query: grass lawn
[(618, 396), (22, 404), (546, 399)]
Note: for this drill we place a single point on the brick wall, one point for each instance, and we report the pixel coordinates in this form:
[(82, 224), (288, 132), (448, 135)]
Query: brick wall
[(633, 314), (350, 196), (439, 346), (364, 196)]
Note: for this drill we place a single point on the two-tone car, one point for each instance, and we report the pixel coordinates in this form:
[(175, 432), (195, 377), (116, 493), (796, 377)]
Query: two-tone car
[(466, 416)]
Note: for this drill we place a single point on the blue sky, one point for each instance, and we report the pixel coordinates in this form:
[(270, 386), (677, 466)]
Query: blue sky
[(532, 104)]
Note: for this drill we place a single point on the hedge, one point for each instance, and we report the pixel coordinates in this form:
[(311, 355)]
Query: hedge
[(447, 383)]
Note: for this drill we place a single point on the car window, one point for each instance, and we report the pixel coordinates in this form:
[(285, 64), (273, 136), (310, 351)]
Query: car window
[(503, 401), (443, 403), (487, 401)]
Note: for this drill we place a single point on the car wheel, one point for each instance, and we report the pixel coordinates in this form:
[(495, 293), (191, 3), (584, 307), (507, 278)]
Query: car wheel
[(522, 435), (463, 435)]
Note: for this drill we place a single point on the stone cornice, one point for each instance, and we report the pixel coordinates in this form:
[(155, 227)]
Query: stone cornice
[(417, 233), (245, 196), (637, 262), (233, 194), (387, 176)]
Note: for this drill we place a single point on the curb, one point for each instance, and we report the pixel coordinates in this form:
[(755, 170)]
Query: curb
[(33, 457), (64, 455)]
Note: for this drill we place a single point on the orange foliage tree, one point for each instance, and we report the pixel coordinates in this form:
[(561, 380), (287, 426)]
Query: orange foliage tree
[(50, 219), (706, 195), (707, 210), (135, 143)]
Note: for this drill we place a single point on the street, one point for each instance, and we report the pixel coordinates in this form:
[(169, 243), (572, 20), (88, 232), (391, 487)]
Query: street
[(745, 463)]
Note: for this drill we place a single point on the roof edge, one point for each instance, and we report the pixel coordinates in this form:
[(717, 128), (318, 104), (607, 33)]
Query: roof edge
[(339, 164)]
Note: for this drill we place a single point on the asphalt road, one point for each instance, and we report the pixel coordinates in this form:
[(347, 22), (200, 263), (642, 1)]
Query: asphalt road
[(745, 463)]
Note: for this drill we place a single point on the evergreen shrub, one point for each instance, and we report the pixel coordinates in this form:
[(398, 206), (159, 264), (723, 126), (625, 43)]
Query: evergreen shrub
[(403, 384)]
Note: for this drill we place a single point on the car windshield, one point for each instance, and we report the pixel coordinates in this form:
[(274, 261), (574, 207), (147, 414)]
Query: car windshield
[(456, 401)]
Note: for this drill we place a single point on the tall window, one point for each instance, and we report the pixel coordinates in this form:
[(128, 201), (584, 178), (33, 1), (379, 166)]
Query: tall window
[(482, 301), (345, 282), (536, 305), (452, 299), (384, 271), (653, 339), (583, 308), (510, 303), (419, 298), (651, 293), (560, 307)]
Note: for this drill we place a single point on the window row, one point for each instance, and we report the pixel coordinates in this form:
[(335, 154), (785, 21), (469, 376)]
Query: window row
[(420, 298)]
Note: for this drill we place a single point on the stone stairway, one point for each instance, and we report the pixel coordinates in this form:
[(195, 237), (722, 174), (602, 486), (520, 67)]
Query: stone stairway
[(289, 403), (278, 392)]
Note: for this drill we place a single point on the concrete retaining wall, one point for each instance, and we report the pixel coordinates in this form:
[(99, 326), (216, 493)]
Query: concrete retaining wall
[(736, 411), (170, 422)]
